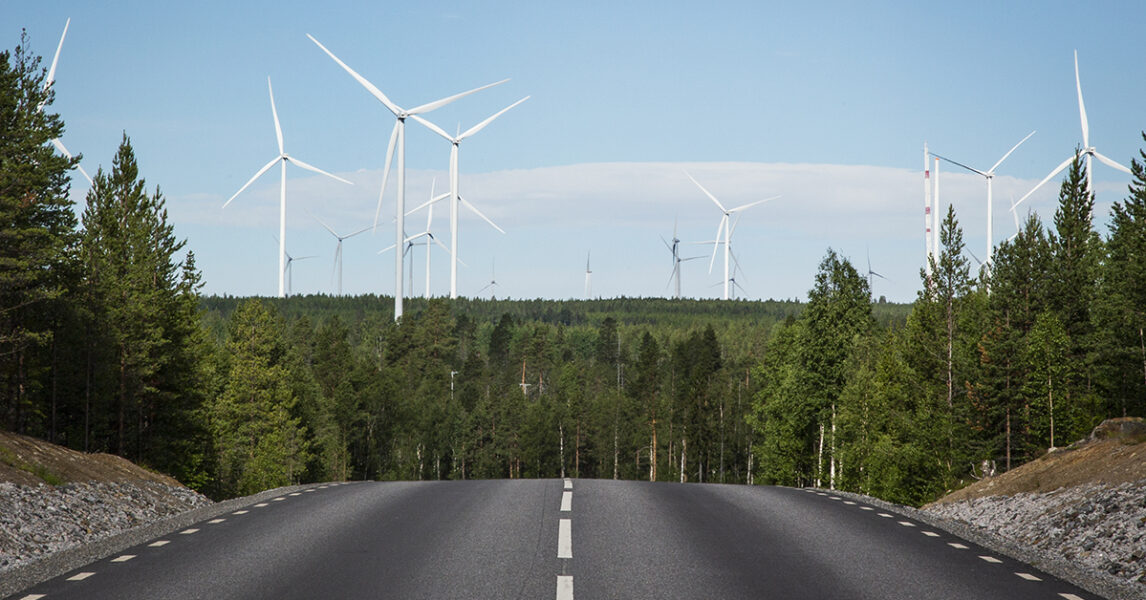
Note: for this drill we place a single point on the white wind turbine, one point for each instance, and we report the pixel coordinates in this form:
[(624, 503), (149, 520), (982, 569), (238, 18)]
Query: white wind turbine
[(455, 193), (282, 158), (722, 230), (989, 174), (397, 137), (1015, 214), (492, 279), (288, 270), (47, 84), (338, 251), (674, 248), (588, 277), (1087, 149), (428, 233)]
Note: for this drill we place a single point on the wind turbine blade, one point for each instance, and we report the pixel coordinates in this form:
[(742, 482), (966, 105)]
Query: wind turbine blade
[(429, 202), (959, 164), (1110, 162), (432, 127), (265, 168), (480, 126), (716, 241), (665, 242), (275, 114), (425, 108), (363, 230), (386, 170), (1057, 170), (1015, 214), (56, 59), (374, 91), (441, 245), (1013, 148), (60, 146), (706, 192), (878, 275), (387, 249), (1081, 106), (479, 213), (321, 222), (751, 204), (85, 174), (310, 167)]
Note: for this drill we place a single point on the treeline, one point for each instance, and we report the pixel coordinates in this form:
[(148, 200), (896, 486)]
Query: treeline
[(988, 372), (106, 345)]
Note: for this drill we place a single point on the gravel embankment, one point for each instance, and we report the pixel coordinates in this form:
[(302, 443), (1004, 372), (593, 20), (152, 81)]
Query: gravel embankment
[(1099, 527), (38, 521)]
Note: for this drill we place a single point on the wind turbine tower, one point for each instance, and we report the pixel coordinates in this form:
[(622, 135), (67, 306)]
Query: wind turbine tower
[(927, 244), (722, 231), (588, 277)]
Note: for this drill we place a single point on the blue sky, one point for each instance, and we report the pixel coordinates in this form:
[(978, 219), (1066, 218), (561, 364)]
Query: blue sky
[(827, 104)]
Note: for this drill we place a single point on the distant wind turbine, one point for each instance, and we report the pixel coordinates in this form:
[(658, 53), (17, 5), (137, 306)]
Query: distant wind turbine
[(492, 279), (455, 193), (588, 277), (870, 275), (290, 271), (282, 158), (1087, 149), (338, 250), (674, 248), (51, 78), (428, 234), (397, 137), (989, 174), (722, 230)]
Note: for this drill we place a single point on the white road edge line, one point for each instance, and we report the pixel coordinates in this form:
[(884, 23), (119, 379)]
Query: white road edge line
[(1070, 597), (188, 531), (240, 512), (80, 576), (991, 559), (565, 538), (215, 521), (957, 545), (907, 523), (1028, 576), (564, 587), (159, 543), (38, 596), (930, 534), (123, 558), (566, 501)]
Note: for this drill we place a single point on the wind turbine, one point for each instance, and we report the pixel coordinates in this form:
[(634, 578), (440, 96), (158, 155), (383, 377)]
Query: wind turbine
[(1087, 149), (397, 137), (588, 277), (338, 251), (722, 229), (492, 279), (455, 194), (428, 234), (989, 174), (283, 158), (871, 274), (47, 84), (289, 271), (1015, 214), (674, 248)]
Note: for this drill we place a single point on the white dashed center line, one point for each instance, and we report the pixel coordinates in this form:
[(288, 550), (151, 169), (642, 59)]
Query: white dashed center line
[(80, 576), (565, 538), (957, 545), (991, 559), (566, 501), (564, 587), (1028, 576), (568, 484), (159, 543), (123, 558)]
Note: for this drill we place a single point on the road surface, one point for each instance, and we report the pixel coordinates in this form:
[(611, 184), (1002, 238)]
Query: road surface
[(556, 539)]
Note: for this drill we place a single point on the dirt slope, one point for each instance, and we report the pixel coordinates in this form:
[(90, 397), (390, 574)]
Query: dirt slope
[(29, 461), (1115, 453)]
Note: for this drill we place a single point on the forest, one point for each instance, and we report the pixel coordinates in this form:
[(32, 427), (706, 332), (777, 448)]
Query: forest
[(107, 345)]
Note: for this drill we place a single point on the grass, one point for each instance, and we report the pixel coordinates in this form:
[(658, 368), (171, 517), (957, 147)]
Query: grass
[(9, 458)]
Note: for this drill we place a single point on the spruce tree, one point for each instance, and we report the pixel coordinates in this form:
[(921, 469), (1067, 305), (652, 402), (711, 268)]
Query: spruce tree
[(37, 235)]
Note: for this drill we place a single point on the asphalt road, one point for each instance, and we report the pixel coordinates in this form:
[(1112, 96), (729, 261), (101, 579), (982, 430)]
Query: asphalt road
[(556, 539)]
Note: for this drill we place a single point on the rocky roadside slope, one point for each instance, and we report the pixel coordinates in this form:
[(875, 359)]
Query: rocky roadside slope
[(1084, 505)]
